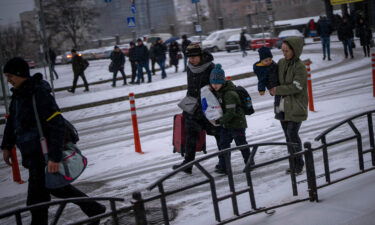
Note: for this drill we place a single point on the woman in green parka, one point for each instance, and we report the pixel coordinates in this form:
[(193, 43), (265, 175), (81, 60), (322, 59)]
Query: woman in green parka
[(292, 109)]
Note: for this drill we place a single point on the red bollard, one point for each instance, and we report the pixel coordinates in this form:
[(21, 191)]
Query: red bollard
[(373, 74), (133, 112), (309, 88), (15, 167)]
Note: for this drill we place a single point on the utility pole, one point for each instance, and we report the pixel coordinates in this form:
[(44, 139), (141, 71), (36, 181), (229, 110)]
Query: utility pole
[(198, 26), (45, 49), (149, 16)]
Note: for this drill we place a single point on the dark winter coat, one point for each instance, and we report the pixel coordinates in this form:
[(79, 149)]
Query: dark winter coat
[(52, 56), (173, 53), (141, 54), (131, 54), (293, 83), (267, 75), (79, 64), (324, 28), (233, 115), (152, 52), (345, 31), (118, 59), (365, 34), (243, 41), (160, 50), (184, 45), (21, 128)]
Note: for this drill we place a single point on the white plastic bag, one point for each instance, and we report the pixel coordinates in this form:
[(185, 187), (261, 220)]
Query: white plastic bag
[(210, 105)]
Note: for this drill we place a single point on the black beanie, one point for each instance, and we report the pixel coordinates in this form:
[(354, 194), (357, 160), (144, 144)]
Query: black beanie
[(264, 53), (17, 66)]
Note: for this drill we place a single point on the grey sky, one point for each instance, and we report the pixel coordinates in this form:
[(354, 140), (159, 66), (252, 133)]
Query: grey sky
[(10, 10)]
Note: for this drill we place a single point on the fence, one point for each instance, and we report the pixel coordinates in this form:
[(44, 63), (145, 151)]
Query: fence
[(138, 204)]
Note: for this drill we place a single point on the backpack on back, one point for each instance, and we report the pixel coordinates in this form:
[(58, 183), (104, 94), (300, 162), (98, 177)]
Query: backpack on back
[(246, 103)]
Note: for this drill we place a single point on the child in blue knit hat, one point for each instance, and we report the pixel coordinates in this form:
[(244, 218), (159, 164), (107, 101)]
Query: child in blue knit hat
[(266, 70), (233, 122)]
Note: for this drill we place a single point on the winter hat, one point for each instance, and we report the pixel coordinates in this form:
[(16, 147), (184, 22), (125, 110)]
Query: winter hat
[(116, 47), (73, 50), (194, 49), (264, 53), (132, 43), (138, 40), (184, 36), (217, 75), (17, 66)]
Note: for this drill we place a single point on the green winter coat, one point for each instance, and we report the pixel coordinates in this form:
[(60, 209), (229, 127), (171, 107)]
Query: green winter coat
[(293, 83), (233, 115)]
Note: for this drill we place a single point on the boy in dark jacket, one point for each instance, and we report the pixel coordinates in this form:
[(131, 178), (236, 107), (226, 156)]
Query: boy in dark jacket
[(79, 66), (233, 122), (267, 73), (118, 62)]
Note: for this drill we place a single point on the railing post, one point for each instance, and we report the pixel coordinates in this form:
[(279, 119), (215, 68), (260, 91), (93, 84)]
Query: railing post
[(359, 145), (325, 159), (309, 87), (139, 209), (371, 134), (310, 172), (373, 74), (137, 142)]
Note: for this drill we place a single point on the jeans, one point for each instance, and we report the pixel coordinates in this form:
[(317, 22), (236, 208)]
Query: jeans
[(38, 193), (291, 134), (161, 64), (115, 75), (140, 66), (134, 70), (348, 46), (226, 137), (185, 62), (326, 47)]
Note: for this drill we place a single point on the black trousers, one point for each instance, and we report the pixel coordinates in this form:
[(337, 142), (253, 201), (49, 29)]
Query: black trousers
[(115, 75), (193, 126), (134, 70), (82, 75), (291, 129), (37, 193), (226, 137)]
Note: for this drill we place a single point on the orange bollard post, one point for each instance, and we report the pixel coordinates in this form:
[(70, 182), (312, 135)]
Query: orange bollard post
[(15, 167), (373, 74), (309, 88), (133, 112)]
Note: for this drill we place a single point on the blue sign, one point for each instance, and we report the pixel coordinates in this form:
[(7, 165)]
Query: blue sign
[(131, 21), (107, 1), (194, 1), (133, 9)]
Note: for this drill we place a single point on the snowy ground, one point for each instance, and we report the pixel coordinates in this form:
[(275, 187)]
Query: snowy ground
[(342, 88)]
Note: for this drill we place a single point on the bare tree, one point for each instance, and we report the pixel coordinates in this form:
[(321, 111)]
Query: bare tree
[(11, 43), (73, 19)]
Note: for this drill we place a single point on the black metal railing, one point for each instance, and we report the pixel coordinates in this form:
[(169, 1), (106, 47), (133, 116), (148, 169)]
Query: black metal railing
[(138, 203)]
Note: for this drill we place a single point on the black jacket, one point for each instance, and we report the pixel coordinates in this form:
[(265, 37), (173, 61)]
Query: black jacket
[(21, 128), (159, 51), (184, 45), (364, 33), (345, 31), (324, 28), (118, 59), (243, 41), (141, 54), (79, 64), (132, 54)]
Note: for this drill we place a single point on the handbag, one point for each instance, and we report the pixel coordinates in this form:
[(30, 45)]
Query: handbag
[(188, 104), (110, 67), (72, 165)]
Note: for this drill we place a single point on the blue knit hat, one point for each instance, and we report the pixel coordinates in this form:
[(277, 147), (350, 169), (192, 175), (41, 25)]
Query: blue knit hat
[(217, 75), (264, 53)]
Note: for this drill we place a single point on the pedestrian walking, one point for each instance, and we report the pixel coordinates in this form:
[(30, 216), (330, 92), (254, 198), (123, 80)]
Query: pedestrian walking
[(174, 55), (198, 76), (185, 43), (152, 58), (160, 49), (311, 28), (52, 60), (345, 35), (243, 43), (132, 60), (233, 123), (79, 66), (365, 36), (21, 130), (142, 61), (118, 63), (325, 29), (292, 109)]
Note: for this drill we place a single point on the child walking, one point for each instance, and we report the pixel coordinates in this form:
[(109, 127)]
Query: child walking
[(233, 122)]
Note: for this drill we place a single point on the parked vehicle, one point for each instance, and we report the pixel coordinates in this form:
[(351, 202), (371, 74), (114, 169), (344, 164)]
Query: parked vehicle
[(288, 33), (263, 39), (152, 38), (216, 40), (233, 42)]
